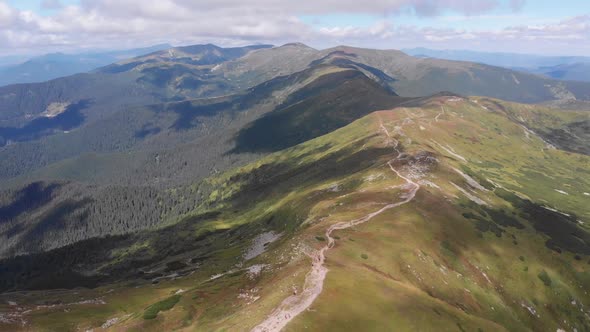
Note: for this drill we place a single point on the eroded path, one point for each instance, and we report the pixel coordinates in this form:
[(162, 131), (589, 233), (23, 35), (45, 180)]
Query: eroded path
[(314, 281)]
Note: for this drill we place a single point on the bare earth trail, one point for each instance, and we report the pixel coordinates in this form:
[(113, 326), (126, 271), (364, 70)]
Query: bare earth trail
[(439, 114), (314, 281)]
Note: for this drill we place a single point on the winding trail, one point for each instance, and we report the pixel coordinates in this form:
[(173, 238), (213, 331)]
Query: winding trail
[(314, 280)]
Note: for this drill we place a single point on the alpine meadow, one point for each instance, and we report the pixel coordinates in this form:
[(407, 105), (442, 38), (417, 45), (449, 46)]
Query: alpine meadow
[(261, 178)]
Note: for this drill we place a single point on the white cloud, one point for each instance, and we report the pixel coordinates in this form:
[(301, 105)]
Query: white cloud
[(553, 38), (7, 15), (128, 23)]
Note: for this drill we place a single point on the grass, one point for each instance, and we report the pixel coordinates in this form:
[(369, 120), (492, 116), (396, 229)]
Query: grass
[(436, 263), (152, 311), (545, 278), (454, 270)]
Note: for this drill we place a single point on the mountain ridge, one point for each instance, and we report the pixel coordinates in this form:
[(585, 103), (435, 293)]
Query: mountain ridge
[(55, 65), (558, 67), (449, 144), (293, 188)]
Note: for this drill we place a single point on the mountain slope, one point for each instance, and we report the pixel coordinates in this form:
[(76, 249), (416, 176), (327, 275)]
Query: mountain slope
[(574, 68), (311, 196), (164, 126), (51, 66), (200, 71), (411, 76), (163, 146), (328, 103), (507, 60), (567, 131), (482, 240), (572, 72), (189, 55), (172, 75)]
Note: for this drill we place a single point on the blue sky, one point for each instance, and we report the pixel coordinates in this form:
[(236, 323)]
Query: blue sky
[(532, 12), (35, 5), (524, 26)]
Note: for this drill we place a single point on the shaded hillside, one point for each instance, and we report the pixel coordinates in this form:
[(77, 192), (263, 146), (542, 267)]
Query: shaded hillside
[(207, 70), (174, 74), (572, 72), (330, 102), (70, 118), (462, 220), (115, 119), (174, 141), (165, 146)]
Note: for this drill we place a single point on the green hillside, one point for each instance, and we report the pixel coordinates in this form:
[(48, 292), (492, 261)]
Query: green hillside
[(411, 76), (446, 213), (163, 147)]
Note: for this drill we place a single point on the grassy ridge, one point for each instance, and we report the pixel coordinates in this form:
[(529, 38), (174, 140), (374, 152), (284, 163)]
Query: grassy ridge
[(440, 262)]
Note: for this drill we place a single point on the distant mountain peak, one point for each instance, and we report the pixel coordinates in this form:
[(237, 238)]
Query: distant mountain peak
[(297, 45)]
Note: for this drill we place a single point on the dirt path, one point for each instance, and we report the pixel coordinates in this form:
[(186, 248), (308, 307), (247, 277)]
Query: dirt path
[(442, 108), (314, 281)]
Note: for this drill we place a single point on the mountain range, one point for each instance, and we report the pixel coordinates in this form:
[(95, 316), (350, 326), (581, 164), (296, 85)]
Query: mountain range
[(14, 70), (560, 67), (286, 188)]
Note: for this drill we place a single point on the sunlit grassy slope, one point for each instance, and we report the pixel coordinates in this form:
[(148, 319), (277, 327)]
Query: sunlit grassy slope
[(496, 238)]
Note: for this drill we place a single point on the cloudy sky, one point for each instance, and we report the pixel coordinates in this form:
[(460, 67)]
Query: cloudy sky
[(526, 26)]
